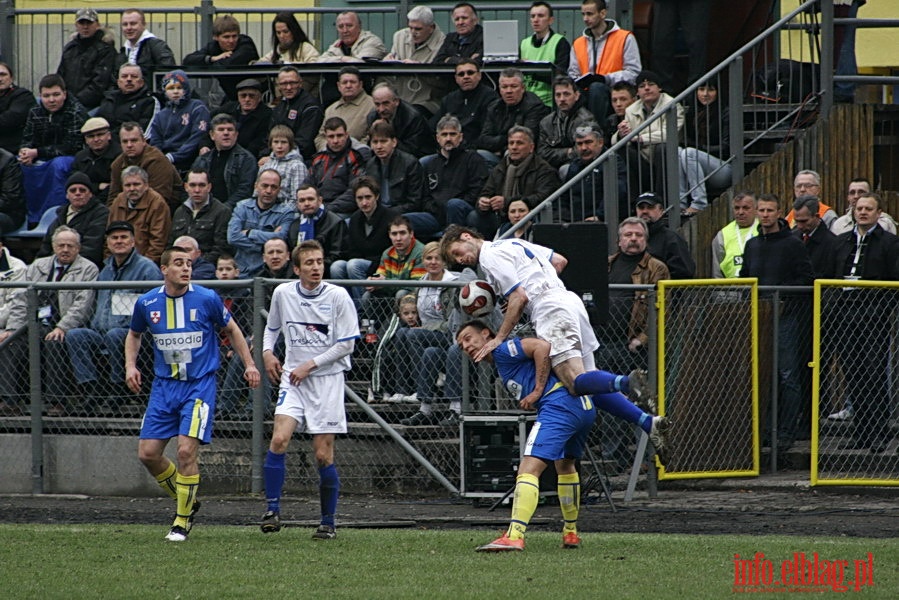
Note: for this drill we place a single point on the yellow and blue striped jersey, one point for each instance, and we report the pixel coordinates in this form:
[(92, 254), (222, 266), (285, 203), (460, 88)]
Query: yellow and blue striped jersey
[(185, 341)]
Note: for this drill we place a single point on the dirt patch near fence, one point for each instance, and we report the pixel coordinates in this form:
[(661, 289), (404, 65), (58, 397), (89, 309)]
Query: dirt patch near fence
[(734, 509)]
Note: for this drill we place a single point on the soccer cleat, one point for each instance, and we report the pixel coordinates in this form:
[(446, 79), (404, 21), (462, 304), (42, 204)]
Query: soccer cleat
[(177, 534), (571, 540), (324, 532), (419, 418), (502, 544), (193, 513), (658, 435), (638, 380), (271, 522)]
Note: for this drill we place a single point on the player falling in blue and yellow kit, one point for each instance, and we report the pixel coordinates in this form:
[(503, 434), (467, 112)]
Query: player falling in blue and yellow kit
[(559, 434), (183, 320)]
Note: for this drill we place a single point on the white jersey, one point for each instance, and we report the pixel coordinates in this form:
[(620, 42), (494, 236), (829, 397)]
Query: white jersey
[(312, 322), (508, 264)]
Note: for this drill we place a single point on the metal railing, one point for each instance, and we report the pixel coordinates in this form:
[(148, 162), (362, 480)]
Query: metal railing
[(731, 77), (32, 39)]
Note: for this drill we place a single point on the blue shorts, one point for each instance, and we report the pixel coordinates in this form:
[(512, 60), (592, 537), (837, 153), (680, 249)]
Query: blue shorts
[(180, 408), (561, 428)]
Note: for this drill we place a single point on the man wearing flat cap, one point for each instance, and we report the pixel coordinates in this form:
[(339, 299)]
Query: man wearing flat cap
[(85, 213), (650, 144), (253, 117), (112, 317), (101, 148), (89, 59)]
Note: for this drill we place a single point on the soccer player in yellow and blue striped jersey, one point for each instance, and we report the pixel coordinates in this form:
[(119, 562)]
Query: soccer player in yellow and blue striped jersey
[(183, 319)]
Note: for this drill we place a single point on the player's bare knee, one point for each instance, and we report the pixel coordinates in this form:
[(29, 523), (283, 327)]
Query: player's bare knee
[(187, 454), (279, 443)]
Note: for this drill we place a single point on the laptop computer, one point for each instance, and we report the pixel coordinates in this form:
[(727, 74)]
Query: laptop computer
[(501, 41)]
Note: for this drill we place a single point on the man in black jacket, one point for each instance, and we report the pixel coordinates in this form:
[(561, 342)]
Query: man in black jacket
[(253, 116), (52, 136), (517, 106), (12, 193), (586, 199), (228, 48), (84, 213), (861, 320), (141, 47), (665, 244), (776, 257), (99, 152), (368, 234), (468, 39), (318, 223), (414, 135), (399, 174), (470, 103), (231, 168), (297, 110), (816, 237), (88, 60), (131, 101), (15, 103), (454, 177), (202, 217)]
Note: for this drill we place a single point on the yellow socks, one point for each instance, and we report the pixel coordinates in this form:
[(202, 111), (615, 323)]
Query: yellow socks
[(569, 500), (166, 480), (187, 486), (527, 494)]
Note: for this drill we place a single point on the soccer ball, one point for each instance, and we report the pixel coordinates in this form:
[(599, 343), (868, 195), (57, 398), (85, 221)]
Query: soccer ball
[(477, 298)]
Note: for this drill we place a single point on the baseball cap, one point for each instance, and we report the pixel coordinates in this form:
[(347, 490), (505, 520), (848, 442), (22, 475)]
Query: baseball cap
[(87, 14), (94, 124), (119, 226), (648, 198)]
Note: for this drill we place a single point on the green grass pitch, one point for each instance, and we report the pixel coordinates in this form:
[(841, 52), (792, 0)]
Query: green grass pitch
[(133, 561)]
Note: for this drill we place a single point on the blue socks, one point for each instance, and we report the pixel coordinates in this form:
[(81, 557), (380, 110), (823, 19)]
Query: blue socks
[(328, 490), (273, 471), (600, 382), (619, 406)]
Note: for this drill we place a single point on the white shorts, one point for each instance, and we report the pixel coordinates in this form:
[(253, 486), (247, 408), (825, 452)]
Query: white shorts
[(317, 404), (559, 317)]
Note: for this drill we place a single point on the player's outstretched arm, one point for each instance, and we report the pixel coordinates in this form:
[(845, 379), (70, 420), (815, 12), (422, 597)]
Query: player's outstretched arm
[(516, 302), (239, 342), (538, 350), (132, 373)]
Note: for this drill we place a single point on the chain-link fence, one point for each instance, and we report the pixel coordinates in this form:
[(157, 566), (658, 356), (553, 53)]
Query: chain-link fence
[(733, 378), (708, 373), (855, 368), (405, 393)]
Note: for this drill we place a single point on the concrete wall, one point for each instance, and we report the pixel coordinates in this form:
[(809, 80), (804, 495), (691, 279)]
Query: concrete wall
[(108, 466)]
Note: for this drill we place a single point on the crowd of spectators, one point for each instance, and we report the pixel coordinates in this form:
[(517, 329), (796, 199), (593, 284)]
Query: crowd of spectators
[(373, 177)]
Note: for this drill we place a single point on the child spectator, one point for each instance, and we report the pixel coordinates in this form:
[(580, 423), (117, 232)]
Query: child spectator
[(286, 159), (407, 309), (182, 125), (233, 389)]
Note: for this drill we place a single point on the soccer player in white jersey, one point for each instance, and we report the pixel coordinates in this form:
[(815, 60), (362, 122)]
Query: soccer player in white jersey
[(527, 276), (320, 326), (183, 319)]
